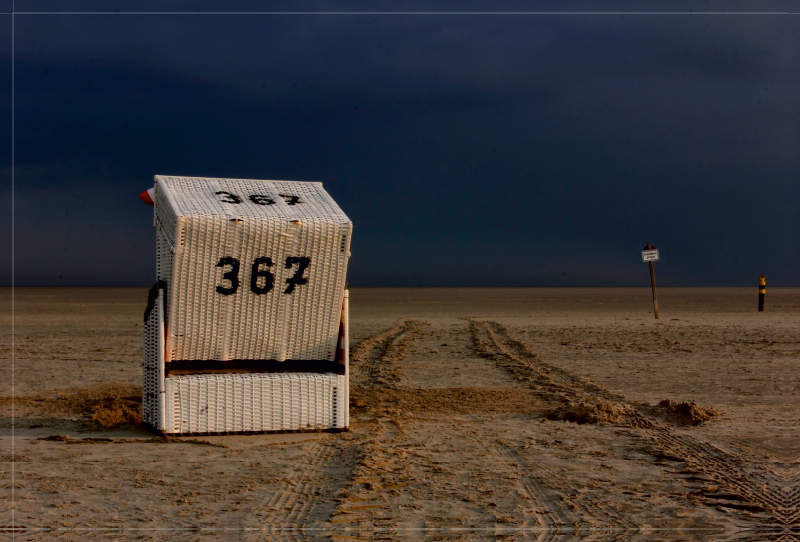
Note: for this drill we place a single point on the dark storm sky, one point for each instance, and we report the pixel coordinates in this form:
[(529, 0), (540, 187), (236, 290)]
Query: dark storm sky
[(468, 149)]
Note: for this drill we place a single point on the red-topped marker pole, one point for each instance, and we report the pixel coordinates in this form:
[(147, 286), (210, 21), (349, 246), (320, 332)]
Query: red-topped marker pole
[(650, 255)]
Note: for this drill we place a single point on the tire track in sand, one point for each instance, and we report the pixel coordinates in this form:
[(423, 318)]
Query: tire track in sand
[(375, 362), (764, 486), (597, 516), (385, 465), (764, 492), (490, 339), (542, 512), (298, 501)]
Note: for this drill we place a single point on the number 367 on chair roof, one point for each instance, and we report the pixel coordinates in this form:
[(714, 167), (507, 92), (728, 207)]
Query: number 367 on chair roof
[(254, 269)]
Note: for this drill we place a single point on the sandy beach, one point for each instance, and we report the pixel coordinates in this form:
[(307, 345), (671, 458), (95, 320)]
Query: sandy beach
[(476, 414)]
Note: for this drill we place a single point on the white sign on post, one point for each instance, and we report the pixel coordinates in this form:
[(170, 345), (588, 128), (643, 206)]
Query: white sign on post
[(650, 255)]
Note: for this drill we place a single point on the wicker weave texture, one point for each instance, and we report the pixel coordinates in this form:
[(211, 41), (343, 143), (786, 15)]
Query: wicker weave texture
[(150, 371), (255, 402), (164, 256), (199, 228)]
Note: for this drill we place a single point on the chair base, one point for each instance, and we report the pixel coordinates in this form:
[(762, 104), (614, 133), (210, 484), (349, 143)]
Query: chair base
[(241, 403), (249, 433)]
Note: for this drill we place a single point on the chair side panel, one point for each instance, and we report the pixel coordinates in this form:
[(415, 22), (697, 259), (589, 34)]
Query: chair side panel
[(150, 371)]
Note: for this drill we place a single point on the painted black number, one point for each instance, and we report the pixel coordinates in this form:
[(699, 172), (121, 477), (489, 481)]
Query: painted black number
[(269, 278), (260, 199), (302, 263), (228, 197), (256, 273), (232, 275), (291, 200)]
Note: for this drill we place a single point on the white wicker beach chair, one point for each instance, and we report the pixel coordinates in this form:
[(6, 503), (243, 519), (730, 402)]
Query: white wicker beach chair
[(246, 328)]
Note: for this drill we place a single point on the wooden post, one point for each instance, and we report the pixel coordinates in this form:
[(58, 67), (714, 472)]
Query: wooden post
[(653, 282), (762, 292)]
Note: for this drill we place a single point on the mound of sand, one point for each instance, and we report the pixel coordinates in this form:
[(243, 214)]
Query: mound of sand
[(602, 412), (686, 413), (109, 405), (457, 400), (677, 412)]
